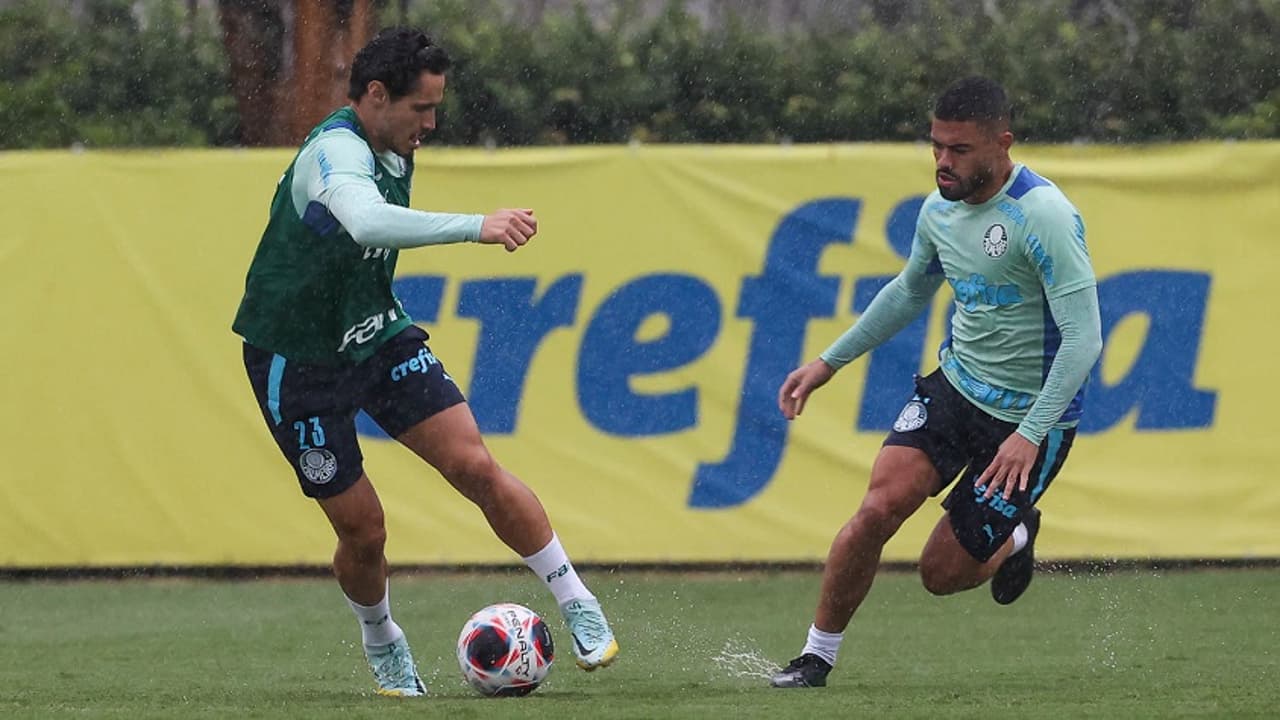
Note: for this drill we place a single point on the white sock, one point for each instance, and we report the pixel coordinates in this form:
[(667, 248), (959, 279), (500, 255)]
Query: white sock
[(1019, 538), (376, 625), (823, 644), (553, 568)]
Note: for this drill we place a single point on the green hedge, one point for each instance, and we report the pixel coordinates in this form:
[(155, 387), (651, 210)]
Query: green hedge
[(1078, 70), (103, 78), (1142, 70)]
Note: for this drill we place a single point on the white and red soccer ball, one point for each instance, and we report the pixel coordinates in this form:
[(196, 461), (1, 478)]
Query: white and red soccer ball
[(505, 650)]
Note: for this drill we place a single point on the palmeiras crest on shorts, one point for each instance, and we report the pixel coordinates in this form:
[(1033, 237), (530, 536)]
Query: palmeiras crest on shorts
[(995, 241), (318, 465), (912, 417)]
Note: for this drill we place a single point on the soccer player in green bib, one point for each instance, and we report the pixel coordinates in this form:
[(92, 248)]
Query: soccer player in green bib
[(1000, 411), (325, 337)]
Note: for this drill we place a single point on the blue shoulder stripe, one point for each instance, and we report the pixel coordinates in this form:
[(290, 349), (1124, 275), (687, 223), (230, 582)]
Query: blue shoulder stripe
[(341, 124), (319, 219), (1025, 181)]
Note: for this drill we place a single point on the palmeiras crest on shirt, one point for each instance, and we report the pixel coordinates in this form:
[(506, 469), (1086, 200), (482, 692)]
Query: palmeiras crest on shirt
[(995, 241), (912, 417), (318, 465)]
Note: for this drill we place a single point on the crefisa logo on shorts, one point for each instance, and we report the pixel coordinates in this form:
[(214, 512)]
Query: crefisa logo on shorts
[(912, 417), (318, 465)]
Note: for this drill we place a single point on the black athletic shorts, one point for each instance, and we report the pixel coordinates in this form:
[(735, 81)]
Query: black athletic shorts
[(311, 409), (957, 435)]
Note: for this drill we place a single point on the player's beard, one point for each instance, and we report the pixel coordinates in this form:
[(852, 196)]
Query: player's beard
[(964, 186), (407, 150), (409, 145)]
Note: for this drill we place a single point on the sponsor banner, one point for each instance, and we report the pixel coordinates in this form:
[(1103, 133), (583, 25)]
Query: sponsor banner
[(626, 363)]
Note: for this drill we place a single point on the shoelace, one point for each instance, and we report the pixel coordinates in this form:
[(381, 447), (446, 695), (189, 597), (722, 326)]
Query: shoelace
[(802, 662), (395, 669), (588, 623)]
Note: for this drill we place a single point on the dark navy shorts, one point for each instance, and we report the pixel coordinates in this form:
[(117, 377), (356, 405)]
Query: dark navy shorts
[(958, 436), (311, 409)]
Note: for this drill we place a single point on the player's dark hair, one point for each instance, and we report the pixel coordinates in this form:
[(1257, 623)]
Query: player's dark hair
[(396, 57), (974, 99)]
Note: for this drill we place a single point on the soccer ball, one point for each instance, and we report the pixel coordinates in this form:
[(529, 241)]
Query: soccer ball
[(505, 650)]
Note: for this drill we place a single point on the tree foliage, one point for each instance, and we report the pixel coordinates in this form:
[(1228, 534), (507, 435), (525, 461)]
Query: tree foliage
[(124, 73), (1078, 70), (117, 73)]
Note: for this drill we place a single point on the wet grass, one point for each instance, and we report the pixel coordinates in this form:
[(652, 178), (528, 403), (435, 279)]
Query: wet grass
[(1132, 644)]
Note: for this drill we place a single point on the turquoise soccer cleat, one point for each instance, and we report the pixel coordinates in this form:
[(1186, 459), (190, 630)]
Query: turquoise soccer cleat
[(394, 671), (593, 643)]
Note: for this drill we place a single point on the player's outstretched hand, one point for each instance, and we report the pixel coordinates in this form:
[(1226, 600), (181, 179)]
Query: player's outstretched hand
[(1011, 467), (509, 228), (799, 384)]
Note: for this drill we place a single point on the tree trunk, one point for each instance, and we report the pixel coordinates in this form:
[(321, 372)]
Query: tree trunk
[(290, 61)]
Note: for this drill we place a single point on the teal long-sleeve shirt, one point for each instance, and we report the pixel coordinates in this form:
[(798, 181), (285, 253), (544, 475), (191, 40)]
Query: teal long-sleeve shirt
[(1026, 330)]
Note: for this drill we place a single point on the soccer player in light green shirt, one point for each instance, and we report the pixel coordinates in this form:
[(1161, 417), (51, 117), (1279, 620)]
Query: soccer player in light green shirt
[(1000, 412), (325, 337)]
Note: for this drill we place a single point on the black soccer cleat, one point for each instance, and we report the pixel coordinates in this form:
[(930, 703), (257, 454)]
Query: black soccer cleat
[(808, 670), (1014, 574)]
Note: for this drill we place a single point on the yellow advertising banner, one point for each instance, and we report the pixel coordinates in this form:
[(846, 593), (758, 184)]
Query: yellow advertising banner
[(626, 363)]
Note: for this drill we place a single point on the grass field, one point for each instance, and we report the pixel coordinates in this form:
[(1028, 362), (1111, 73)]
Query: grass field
[(1123, 645)]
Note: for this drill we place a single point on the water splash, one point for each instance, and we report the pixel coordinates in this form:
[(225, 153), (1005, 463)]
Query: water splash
[(740, 658)]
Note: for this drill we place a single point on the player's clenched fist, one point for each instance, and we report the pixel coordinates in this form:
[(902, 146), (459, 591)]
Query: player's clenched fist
[(510, 228)]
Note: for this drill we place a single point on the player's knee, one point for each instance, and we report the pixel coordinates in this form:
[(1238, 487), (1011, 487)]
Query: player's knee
[(366, 542), (878, 515), (475, 473)]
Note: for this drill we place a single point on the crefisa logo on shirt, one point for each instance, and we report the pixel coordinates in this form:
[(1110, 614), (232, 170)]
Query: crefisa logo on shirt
[(995, 241)]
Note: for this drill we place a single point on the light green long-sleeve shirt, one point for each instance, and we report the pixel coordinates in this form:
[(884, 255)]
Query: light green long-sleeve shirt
[(1026, 329)]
